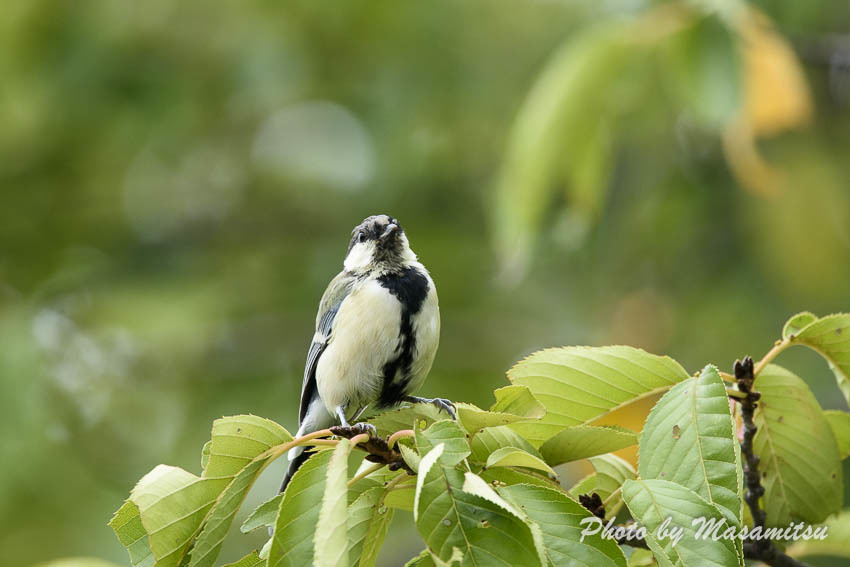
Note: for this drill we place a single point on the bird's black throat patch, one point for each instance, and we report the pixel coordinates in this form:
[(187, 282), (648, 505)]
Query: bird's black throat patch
[(410, 287)]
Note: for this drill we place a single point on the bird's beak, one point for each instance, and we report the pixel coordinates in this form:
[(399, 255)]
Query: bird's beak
[(391, 229)]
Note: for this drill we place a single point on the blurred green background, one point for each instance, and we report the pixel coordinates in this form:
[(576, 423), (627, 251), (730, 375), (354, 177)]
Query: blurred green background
[(179, 181)]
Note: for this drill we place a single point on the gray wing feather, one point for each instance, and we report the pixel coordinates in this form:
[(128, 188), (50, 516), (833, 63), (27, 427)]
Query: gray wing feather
[(335, 294)]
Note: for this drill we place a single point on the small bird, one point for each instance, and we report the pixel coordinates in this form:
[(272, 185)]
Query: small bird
[(377, 332)]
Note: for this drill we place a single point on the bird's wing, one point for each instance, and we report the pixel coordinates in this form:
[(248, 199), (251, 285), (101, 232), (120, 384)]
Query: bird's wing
[(337, 291)]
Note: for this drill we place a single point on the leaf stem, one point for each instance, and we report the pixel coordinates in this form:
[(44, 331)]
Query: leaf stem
[(278, 450), (611, 496), (399, 435), (737, 394), (366, 472), (391, 485), (357, 439), (778, 347)]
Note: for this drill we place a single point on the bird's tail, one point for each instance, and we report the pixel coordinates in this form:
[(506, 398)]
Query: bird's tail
[(317, 418), (294, 464)]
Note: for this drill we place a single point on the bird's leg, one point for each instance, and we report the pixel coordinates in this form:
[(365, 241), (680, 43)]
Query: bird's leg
[(441, 403), (340, 413), (344, 429)]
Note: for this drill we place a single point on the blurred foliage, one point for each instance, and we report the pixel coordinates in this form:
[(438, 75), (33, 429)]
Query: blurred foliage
[(179, 181)]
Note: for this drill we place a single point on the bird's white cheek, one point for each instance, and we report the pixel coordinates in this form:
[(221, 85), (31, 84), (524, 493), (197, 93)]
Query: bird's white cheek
[(360, 255)]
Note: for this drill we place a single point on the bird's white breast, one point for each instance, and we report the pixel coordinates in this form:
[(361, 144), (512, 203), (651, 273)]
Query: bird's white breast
[(365, 332)]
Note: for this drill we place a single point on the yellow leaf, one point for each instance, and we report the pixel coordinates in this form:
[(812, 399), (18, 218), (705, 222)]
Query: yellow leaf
[(776, 98)]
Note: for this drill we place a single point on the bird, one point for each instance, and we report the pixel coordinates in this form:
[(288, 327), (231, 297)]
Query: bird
[(377, 332)]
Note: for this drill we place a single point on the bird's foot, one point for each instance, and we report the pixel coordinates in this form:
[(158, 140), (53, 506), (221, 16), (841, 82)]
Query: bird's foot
[(349, 431), (441, 403)]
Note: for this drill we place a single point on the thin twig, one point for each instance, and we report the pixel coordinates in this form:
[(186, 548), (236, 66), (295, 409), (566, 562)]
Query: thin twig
[(279, 450), (612, 495), (778, 347), (366, 472), (727, 377), (738, 395)]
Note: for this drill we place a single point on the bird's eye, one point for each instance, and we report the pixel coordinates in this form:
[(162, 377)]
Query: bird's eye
[(361, 237)]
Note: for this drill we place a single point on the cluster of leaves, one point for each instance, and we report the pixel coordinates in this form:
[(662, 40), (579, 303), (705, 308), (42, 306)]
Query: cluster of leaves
[(485, 491), (721, 65)]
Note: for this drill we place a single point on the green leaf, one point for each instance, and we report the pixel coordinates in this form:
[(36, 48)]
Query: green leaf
[(652, 501), (578, 385), (421, 415), (829, 336), (836, 544), (77, 562), (839, 421), (368, 522), (242, 436), (513, 404), (449, 519), (331, 534), (583, 441), (611, 473), (492, 439), (217, 523), (172, 505), (127, 525), (517, 400), (508, 476), (689, 439), (706, 71), (513, 457), (205, 454), (425, 466), (266, 549), (475, 485), (558, 518), (556, 135), (448, 433), (292, 544), (474, 418), (427, 559), (796, 323), (402, 495), (263, 516), (422, 560), (641, 558), (251, 560), (410, 456), (236, 440), (799, 459)]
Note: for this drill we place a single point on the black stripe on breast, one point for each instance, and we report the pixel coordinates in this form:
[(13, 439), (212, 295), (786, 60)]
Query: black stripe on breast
[(410, 287)]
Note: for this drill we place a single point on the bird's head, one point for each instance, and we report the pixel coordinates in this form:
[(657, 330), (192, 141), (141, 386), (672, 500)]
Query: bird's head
[(378, 243)]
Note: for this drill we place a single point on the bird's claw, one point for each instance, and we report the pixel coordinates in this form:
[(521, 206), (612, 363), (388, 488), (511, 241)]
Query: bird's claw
[(349, 431), (364, 427), (447, 406), (440, 403)]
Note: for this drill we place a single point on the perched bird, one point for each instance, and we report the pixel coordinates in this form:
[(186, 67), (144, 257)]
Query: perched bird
[(377, 332)]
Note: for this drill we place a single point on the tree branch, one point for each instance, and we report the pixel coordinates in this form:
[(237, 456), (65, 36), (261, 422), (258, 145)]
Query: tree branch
[(760, 549), (378, 448)]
